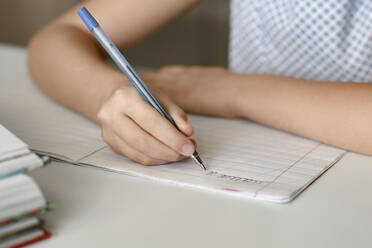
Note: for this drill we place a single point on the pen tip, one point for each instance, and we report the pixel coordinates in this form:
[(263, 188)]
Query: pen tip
[(198, 160)]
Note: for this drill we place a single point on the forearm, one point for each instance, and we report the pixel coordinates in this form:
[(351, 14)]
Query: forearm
[(334, 113), (68, 66), (339, 114), (67, 62)]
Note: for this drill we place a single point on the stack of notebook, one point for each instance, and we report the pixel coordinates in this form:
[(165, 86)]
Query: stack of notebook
[(21, 201)]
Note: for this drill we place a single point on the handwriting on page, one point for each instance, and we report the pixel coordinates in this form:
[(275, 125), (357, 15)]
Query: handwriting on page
[(233, 178)]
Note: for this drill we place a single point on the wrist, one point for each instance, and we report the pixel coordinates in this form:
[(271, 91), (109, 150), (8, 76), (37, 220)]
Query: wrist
[(111, 84), (215, 94), (228, 90)]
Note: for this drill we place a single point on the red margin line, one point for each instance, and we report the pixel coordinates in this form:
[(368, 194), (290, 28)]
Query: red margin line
[(278, 176)]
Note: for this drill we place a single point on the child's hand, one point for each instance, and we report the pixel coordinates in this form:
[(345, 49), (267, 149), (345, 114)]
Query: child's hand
[(136, 130), (200, 90)]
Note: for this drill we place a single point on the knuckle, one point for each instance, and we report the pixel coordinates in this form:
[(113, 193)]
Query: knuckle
[(119, 93), (122, 96), (102, 115)]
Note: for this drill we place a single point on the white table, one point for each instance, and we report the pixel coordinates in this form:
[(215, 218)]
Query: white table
[(95, 208)]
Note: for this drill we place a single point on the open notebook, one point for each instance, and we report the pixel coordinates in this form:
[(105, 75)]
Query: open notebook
[(243, 158)]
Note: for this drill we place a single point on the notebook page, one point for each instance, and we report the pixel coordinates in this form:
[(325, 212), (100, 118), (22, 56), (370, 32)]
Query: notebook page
[(242, 157)]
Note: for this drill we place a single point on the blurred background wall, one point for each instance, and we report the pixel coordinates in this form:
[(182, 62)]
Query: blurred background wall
[(198, 38)]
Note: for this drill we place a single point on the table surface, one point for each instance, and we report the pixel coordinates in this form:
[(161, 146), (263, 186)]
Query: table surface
[(96, 208)]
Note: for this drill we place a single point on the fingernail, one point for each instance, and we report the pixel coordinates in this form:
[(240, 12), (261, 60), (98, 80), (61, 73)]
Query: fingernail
[(187, 149)]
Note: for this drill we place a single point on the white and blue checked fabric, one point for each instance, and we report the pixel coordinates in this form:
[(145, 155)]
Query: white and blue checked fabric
[(325, 40)]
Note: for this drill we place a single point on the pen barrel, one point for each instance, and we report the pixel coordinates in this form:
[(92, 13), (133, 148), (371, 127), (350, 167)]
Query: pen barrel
[(115, 55), (129, 72)]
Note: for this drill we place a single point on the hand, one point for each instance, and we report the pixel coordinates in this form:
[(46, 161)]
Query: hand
[(133, 128), (199, 90)]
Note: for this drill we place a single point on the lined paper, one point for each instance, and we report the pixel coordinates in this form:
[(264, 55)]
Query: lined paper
[(242, 157)]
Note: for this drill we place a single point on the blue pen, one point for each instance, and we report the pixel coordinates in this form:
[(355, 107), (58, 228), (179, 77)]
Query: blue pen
[(128, 70)]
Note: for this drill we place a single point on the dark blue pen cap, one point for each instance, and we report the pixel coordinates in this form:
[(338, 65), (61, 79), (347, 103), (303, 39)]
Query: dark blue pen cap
[(87, 18)]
